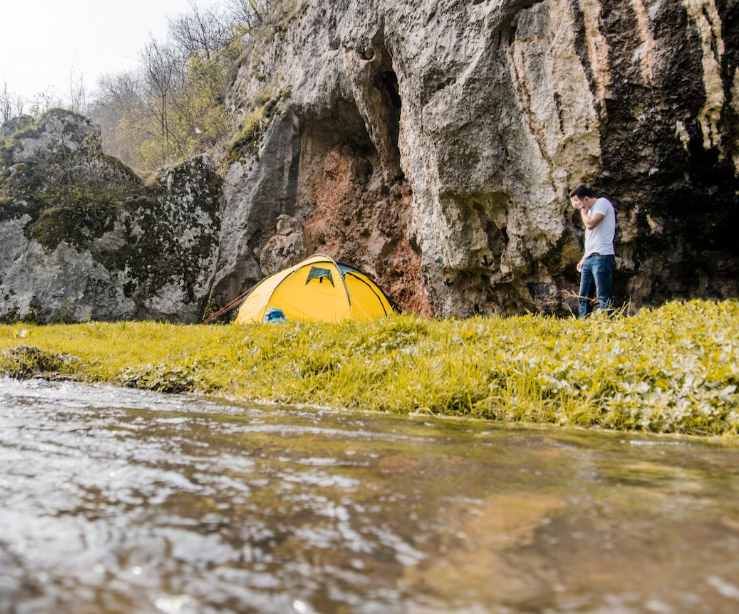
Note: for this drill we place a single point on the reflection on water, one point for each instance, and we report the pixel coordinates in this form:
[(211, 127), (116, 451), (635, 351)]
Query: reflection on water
[(121, 501)]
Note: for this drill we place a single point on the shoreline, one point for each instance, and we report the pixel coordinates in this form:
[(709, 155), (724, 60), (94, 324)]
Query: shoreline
[(673, 369)]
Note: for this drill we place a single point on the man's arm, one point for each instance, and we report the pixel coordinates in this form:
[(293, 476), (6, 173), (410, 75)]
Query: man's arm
[(592, 221)]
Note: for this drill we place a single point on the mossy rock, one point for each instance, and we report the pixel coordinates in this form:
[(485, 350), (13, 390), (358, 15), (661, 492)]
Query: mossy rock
[(140, 248), (27, 361), (251, 130), (71, 190)]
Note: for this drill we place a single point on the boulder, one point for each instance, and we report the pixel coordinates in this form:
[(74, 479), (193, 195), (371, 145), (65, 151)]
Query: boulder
[(83, 237)]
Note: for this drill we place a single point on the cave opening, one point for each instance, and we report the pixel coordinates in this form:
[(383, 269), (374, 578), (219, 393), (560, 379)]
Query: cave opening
[(353, 198), (385, 81)]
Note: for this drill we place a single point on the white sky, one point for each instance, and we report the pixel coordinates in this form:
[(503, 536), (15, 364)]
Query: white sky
[(41, 40)]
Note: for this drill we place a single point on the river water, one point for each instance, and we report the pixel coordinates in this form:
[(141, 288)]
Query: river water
[(122, 501)]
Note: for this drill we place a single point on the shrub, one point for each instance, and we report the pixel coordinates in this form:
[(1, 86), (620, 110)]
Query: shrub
[(26, 361)]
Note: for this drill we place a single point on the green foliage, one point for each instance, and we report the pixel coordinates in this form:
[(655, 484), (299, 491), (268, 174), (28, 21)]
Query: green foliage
[(11, 316), (174, 106), (252, 128), (9, 132), (24, 361), (164, 378), (72, 196), (671, 370), (196, 118)]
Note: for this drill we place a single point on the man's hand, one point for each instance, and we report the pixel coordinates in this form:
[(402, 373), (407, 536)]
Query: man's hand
[(590, 221), (580, 265)]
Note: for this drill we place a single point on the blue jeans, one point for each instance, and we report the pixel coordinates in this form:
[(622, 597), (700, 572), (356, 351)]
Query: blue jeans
[(596, 281)]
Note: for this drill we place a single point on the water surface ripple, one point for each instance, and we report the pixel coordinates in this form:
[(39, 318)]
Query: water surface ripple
[(121, 501)]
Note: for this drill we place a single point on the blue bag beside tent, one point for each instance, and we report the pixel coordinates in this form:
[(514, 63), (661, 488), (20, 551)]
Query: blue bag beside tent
[(274, 315)]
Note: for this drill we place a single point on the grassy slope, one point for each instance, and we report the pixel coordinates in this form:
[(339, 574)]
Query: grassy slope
[(673, 369)]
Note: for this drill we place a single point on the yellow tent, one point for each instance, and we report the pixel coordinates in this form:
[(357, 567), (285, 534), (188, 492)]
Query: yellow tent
[(316, 289)]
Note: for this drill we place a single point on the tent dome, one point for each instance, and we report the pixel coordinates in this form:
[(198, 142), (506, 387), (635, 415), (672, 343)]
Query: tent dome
[(316, 289)]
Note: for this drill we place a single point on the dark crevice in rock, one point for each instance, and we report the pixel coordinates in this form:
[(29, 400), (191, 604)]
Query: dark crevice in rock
[(387, 84), (675, 200), (581, 48), (730, 62)]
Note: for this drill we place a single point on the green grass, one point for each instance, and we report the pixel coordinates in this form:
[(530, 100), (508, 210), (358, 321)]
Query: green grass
[(672, 369)]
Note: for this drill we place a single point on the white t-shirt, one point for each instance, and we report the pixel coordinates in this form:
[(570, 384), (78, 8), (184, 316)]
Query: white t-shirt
[(600, 239)]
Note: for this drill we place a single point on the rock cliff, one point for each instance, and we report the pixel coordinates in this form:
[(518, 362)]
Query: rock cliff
[(82, 237), (433, 143)]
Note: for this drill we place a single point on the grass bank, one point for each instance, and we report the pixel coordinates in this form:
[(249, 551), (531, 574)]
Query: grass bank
[(672, 369)]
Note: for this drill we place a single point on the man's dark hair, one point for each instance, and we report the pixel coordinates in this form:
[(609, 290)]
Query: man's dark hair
[(582, 192)]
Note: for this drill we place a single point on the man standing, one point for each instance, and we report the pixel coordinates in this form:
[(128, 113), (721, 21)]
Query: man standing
[(596, 266)]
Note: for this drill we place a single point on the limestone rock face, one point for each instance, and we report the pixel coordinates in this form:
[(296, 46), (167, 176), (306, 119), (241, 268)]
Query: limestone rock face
[(81, 236), (433, 144), (285, 248)]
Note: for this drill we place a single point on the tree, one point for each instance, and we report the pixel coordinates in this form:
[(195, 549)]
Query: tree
[(77, 90), (11, 105), (250, 13), (207, 32), (173, 106), (120, 111), (14, 105)]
